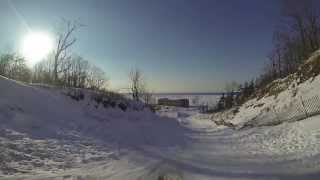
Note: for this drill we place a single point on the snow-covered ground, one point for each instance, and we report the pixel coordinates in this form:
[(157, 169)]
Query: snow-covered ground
[(46, 135), (283, 106)]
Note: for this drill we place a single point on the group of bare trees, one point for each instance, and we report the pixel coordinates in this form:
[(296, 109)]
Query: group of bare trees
[(136, 84), (65, 40), (64, 69), (74, 71), (138, 88), (295, 39), (13, 66)]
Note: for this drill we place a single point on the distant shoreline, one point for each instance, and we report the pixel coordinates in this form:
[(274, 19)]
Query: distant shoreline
[(190, 93)]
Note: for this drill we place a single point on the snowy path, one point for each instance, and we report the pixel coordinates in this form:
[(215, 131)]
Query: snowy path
[(218, 153), (212, 152)]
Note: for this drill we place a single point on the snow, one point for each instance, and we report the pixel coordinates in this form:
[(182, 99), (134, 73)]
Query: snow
[(46, 135), (44, 113)]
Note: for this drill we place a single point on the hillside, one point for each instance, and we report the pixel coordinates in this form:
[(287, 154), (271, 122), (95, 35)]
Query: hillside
[(293, 98)]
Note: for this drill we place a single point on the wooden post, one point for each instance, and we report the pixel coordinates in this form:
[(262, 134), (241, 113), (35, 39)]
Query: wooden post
[(304, 107)]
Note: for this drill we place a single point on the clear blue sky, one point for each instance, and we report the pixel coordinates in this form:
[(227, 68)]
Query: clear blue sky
[(181, 45)]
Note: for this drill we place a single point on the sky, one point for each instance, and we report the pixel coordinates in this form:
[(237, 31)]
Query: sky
[(180, 45)]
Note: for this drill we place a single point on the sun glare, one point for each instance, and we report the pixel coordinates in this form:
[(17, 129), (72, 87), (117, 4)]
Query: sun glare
[(36, 46)]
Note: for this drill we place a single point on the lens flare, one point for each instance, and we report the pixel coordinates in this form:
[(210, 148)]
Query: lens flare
[(36, 46)]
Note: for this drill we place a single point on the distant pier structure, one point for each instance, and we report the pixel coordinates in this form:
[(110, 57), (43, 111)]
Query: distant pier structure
[(173, 102)]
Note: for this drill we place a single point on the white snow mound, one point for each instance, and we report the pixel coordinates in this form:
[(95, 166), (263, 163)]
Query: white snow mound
[(48, 112)]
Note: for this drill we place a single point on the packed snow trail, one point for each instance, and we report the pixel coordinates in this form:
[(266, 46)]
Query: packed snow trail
[(282, 152), (211, 152)]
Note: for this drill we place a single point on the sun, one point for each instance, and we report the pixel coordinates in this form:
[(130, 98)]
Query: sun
[(36, 46)]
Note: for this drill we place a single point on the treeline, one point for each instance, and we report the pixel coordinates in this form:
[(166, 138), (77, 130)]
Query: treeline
[(236, 94), (76, 72), (72, 72), (14, 66), (295, 39), (60, 68)]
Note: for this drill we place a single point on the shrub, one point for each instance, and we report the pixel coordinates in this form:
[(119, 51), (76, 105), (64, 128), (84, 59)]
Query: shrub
[(122, 106), (113, 104)]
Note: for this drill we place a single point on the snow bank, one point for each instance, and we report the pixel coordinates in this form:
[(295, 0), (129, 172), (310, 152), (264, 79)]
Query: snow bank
[(44, 112)]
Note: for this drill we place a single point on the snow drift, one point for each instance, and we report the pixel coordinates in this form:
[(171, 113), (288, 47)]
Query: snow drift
[(44, 112)]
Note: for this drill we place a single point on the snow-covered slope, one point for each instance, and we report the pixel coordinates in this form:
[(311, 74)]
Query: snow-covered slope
[(284, 100), (30, 114)]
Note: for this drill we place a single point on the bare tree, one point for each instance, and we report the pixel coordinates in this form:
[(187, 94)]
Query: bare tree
[(65, 40), (137, 86)]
